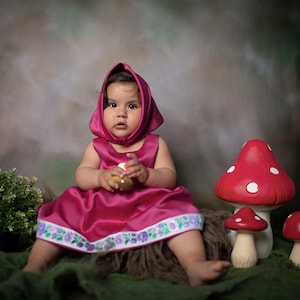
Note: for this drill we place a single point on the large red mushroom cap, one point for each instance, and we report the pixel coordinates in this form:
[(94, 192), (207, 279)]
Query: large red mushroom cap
[(255, 178), (291, 226), (247, 220)]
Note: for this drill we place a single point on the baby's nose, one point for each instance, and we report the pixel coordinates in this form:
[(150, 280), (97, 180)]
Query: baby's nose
[(122, 112)]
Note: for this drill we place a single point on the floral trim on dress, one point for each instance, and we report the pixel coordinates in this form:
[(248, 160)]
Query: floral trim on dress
[(121, 240)]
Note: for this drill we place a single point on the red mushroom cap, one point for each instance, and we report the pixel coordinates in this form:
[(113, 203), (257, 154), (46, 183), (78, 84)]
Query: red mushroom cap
[(255, 178), (246, 219), (291, 226)]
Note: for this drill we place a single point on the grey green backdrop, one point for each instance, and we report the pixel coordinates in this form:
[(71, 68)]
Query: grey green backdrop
[(221, 72)]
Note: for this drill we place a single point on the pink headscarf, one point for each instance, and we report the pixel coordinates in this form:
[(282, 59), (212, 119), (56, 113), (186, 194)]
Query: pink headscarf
[(150, 119)]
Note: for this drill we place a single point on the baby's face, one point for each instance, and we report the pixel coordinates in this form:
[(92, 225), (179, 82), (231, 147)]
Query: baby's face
[(123, 112)]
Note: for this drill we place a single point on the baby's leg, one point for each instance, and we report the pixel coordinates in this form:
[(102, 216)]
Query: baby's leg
[(41, 256), (190, 251)]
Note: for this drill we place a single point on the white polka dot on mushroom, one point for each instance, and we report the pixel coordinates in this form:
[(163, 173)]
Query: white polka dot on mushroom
[(238, 220), (274, 171), (252, 187), (231, 169)]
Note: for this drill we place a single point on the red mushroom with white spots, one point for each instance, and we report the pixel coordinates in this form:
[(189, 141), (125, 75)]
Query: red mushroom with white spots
[(291, 231), (256, 180), (245, 222)]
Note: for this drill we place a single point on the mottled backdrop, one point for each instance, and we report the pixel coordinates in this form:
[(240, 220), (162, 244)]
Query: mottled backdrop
[(222, 72)]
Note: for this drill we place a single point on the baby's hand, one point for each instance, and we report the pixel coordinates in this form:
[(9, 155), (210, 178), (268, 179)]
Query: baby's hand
[(106, 181), (135, 169)]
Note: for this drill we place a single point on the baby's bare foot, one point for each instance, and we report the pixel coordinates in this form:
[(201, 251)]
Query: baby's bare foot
[(201, 272)]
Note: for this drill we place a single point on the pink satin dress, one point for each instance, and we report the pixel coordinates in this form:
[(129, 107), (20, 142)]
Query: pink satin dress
[(96, 220)]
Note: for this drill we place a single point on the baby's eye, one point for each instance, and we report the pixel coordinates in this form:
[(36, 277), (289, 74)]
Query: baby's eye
[(112, 104), (132, 106)]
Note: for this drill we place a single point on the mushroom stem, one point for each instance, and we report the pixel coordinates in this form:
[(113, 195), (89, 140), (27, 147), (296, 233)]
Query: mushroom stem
[(264, 239), (295, 253), (244, 254)]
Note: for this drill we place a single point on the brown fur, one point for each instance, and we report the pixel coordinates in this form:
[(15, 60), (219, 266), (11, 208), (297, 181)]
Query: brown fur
[(157, 261)]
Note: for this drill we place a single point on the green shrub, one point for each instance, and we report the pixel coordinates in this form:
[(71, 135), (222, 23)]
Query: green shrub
[(19, 201)]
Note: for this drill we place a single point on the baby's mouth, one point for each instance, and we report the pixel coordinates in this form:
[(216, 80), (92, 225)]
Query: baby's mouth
[(121, 125)]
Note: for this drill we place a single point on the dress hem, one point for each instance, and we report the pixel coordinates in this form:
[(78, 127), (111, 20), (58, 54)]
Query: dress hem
[(119, 241)]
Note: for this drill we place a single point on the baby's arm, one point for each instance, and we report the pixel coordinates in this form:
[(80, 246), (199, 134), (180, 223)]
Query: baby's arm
[(162, 175), (89, 176)]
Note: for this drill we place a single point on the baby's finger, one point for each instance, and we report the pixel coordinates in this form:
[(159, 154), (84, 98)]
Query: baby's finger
[(131, 155), (112, 186)]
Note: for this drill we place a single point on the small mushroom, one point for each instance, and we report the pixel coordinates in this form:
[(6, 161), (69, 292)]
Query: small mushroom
[(245, 222), (291, 231), (257, 181), (125, 183)]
